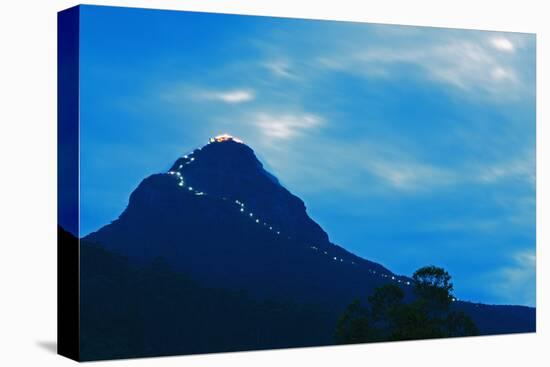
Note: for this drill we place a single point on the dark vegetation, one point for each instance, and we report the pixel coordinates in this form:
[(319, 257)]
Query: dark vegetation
[(130, 310), (135, 310), (387, 317)]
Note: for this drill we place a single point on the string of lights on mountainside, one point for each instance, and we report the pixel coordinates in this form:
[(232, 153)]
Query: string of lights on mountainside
[(189, 159)]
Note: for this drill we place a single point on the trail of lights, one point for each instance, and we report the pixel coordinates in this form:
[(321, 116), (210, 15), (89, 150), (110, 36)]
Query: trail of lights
[(241, 206)]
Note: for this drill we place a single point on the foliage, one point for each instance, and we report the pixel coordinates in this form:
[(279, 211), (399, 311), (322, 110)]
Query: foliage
[(388, 317), (433, 285), (353, 326)]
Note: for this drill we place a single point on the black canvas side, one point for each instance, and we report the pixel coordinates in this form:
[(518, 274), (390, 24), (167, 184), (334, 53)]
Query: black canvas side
[(68, 340)]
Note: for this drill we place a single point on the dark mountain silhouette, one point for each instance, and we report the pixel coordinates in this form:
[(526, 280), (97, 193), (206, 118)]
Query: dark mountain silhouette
[(220, 219), (218, 216)]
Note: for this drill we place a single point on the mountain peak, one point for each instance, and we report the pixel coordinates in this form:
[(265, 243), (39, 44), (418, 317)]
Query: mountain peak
[(224, 154), (225, 137)]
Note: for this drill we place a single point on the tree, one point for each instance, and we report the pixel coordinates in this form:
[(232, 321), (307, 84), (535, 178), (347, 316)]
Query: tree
[(433, 286), (385, 305), (460, 324), (388, 317), (353, 326)]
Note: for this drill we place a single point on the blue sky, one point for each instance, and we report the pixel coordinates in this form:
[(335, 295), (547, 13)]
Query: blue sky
[(409, 145)]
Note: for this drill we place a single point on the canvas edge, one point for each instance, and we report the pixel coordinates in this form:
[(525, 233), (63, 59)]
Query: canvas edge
[(68, 282)]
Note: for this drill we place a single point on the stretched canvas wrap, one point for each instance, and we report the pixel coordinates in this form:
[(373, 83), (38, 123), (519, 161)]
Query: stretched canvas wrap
[(232, 183)]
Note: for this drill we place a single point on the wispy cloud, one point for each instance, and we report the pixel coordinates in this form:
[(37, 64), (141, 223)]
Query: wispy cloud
[(281, 68), (285, 126), (383, 166), (410, 176), (228, 96), (415, 175), (180, 93), (516, 283), (469, 64), (393, 167), (522, 168), (503, 44)]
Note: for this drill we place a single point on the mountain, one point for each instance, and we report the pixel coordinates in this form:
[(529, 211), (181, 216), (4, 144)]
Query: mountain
[(218, 216), (221, 219)]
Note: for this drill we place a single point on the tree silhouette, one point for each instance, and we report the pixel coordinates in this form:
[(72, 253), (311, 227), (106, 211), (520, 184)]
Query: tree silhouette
[(354, 325), (432, 286), (388, 317)]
